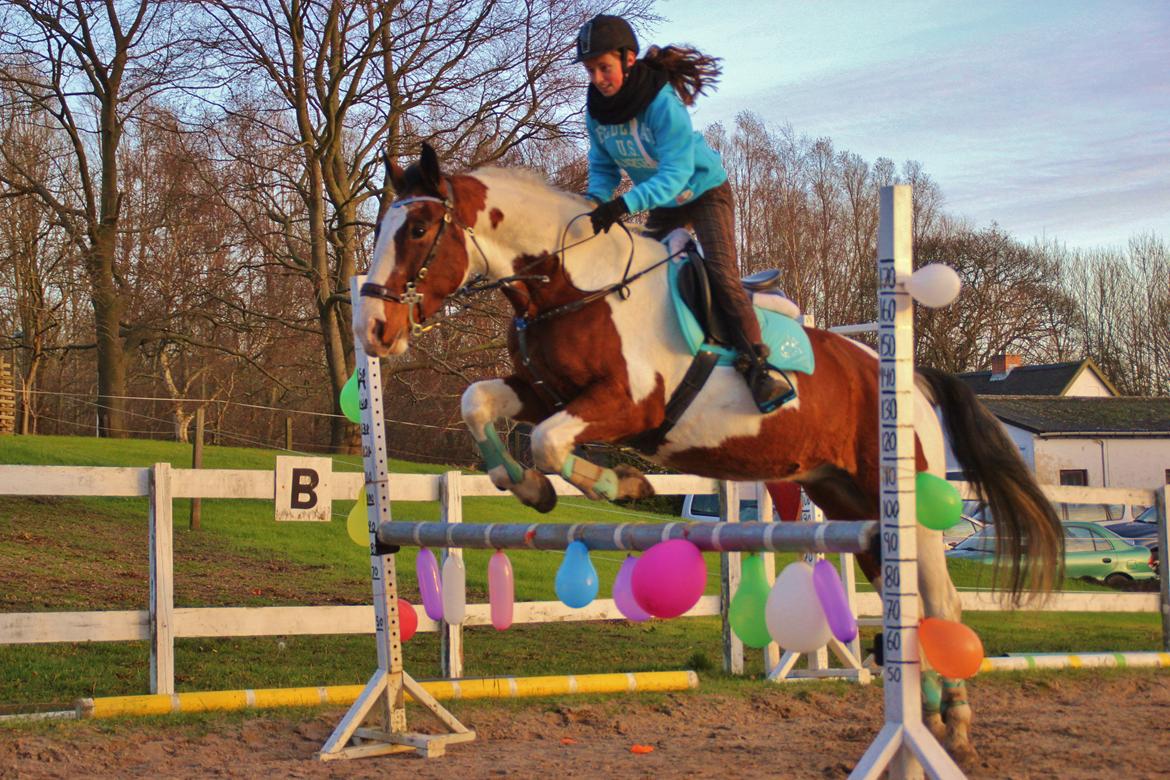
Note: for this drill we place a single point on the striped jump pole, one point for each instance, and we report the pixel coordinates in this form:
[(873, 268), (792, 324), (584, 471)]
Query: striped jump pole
[(850, 536)]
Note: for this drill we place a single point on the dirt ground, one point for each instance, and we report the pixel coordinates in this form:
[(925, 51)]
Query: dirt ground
[(1082, 725)]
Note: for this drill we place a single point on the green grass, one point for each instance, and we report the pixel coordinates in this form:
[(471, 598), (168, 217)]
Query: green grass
[(80, 554)]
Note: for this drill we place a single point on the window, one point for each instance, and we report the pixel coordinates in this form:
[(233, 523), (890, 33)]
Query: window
[(1101, 543), (1074, 477), (1077, 539), (708, 506)]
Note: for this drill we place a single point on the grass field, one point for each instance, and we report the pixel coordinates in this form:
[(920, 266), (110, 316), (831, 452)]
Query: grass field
[(81, 554)]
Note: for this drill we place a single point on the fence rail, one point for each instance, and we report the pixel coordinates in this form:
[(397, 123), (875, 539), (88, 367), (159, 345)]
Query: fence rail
[(163, 622)]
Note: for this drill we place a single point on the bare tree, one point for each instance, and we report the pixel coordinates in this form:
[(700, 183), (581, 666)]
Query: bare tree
[(337, 84), (87, 66)]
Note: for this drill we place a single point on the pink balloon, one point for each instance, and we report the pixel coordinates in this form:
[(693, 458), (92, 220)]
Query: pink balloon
[(501, 591), (669, 578), (831, 594), (427, 570), (623, 594)]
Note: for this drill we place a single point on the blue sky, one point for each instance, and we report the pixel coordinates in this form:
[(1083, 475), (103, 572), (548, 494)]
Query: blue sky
[(1050, 117)]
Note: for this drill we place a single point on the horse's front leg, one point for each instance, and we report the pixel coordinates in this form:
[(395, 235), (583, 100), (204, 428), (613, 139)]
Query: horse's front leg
[(485, 402), (591, 416)]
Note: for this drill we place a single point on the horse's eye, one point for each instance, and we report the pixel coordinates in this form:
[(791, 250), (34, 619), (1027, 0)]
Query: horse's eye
[(418, 230)]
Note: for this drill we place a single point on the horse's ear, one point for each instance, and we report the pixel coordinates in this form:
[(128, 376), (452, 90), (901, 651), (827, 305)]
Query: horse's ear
[(428, 165), (394, 174)]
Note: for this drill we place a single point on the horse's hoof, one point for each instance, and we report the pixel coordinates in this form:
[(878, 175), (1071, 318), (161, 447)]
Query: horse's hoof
[(964, 755), (536, 491), (631, 482)]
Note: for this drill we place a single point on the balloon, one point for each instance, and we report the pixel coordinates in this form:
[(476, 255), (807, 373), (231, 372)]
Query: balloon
[(951, 648), (350, 405), (357, 523), (669, 578), (938, 502), (429, 588), (934, 285), (831, 594), (746, 613), (623, 593), (407, 620), (793, 612), (576, 582), (454, 590), (501, 591)]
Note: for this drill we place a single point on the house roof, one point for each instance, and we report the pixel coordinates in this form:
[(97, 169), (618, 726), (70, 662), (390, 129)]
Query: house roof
[(1074, 416), (1050, 380)]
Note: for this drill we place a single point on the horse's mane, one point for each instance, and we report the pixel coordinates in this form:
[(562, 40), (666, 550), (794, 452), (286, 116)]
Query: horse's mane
[(529, 177)]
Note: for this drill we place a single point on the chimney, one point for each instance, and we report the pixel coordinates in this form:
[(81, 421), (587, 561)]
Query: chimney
[(1002, 365)]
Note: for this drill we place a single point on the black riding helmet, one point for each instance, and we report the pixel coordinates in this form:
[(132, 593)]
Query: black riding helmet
[(605, 33)]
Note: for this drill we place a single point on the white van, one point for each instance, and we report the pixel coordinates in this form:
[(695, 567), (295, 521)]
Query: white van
[(705, 507)]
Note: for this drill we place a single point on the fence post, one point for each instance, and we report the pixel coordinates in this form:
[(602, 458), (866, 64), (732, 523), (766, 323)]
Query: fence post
[(730, 571), (1163, 565), (767, 514), (288, 434), (451, 637), (197, 463), (162, 583)]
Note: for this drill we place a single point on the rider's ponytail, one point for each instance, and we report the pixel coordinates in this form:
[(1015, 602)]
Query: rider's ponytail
[(690, 72)]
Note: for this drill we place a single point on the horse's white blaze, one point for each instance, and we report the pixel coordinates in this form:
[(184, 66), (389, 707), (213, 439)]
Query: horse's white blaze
[(553, 440), (485, 402), (369, 311)]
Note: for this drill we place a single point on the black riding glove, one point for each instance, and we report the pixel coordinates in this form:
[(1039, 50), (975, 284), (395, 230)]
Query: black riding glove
[(604, 216)]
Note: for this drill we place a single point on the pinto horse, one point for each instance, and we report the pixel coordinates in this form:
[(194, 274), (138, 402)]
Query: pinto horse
[(597, 353)]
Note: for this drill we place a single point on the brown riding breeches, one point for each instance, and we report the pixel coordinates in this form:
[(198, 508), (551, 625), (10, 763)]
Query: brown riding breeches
[(712, 217)]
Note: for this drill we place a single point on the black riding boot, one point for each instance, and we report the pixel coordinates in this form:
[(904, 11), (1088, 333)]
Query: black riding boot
[(769, 387)]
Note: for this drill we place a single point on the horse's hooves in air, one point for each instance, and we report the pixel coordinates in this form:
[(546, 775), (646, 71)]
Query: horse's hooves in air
[(631, 482), (536, 491)]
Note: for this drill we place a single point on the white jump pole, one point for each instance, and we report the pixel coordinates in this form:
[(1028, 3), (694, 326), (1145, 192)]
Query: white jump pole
[(904, 745), (383, 701)]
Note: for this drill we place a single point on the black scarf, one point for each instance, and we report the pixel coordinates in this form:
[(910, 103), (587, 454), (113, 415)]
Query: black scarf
[(642, 83)]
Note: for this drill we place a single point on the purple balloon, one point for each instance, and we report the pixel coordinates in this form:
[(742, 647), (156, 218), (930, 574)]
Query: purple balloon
[(831, 594), (427, 571), (623, 592)]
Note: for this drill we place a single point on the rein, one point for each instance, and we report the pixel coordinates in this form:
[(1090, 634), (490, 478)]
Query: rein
[(412, 298)]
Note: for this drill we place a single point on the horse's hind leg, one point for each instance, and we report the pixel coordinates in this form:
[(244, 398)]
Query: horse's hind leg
[(940, 599), (484, 403)]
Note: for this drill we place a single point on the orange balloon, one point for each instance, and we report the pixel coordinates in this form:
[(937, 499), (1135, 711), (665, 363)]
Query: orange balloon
[(952, 649)]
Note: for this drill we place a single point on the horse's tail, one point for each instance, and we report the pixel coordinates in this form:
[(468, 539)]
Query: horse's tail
[(1029, 540)]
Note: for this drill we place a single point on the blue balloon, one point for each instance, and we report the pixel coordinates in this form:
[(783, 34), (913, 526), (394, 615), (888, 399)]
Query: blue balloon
[(576, 582)]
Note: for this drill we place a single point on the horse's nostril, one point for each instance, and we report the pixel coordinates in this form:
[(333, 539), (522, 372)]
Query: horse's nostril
[(378, 326)]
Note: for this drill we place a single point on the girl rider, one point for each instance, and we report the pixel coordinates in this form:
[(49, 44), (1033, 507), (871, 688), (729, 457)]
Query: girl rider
[(638, 123)]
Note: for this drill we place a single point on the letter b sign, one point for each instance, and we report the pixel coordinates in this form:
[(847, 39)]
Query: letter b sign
[(302, 489)]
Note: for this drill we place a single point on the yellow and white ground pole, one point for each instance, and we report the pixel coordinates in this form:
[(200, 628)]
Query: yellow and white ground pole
[(470, 688)]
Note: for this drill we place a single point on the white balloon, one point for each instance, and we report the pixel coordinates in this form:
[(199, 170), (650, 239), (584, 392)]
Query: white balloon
[(793, 612), (934, 285), (454, 590)]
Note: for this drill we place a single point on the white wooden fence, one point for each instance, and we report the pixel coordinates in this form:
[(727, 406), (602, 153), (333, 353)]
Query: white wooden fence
[(162, 622)]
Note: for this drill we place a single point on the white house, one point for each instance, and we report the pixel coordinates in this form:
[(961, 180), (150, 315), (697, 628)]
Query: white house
[(1073, 428)]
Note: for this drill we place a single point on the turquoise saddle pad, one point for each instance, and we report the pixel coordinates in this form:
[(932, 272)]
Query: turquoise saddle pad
[(791, 350)]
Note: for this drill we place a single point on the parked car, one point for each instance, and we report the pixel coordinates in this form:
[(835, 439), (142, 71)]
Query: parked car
[(705, 506), (1143, 531), (1090, 550)]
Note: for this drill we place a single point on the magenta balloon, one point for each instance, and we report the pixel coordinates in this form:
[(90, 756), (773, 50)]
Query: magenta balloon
[(623, 593), (669, 578), (427, 570), (501, 591), (831, 594)]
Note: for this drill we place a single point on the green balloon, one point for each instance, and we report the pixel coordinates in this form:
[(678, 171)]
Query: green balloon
[(939, 504), (746, 613), (350, 406)]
